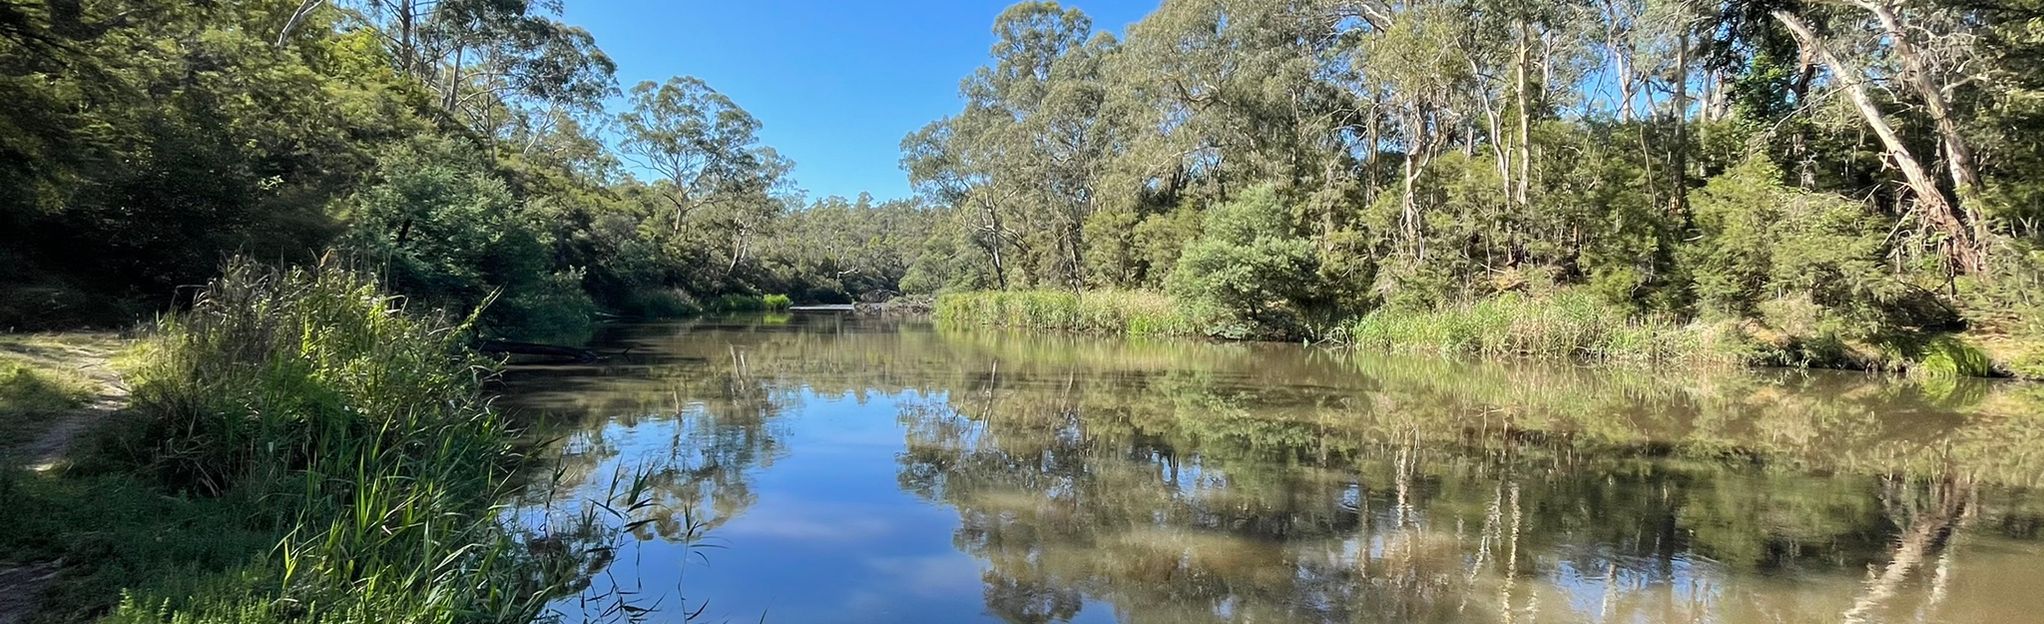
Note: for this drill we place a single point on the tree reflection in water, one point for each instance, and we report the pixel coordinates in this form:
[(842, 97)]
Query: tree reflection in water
[(1187, 481)]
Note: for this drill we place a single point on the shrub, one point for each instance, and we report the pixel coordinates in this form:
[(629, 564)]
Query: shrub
[(654, 303), (1947, 356), (736, 303), (1760, 240), (776, 302), (1247, 265)]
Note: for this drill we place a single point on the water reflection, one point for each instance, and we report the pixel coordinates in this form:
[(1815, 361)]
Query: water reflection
[(868, 471)]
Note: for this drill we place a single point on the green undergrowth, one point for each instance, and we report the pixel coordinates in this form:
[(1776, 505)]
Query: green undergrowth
[(748, 303), (1564, 323), (300, 448), (1128, 312), (1568, 324)]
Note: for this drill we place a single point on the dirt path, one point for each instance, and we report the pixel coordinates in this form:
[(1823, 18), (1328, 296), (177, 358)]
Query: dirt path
[(21, 586), (89, 357)]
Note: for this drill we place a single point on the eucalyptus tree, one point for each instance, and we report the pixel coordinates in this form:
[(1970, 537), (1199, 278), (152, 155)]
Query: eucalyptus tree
[(485, 59), (712, 169), (1025, 150), (699, 143), (1923, 52)]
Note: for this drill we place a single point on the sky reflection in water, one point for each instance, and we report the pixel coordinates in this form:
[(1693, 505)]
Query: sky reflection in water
[(853, 470)]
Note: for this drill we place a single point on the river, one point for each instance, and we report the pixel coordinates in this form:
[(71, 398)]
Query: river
[(819, 467)]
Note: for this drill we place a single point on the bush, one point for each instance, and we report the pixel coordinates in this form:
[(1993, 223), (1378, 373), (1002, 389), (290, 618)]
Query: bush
[(1947, 357), (776, 302), (448, 232), (656, 303), (1247, 265), (736, 303), (1760, 240), (555, 308)]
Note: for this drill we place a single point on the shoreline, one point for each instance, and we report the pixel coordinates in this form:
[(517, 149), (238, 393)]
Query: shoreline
[(1513, 327)]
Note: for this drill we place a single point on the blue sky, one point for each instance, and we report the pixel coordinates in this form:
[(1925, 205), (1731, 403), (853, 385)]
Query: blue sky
[(835, 85)]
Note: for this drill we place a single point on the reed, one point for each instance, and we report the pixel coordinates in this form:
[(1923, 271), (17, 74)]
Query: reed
[(1565, 324), (1128, 312)]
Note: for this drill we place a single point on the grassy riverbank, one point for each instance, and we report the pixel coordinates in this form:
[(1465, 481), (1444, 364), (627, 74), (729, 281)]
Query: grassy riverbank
[(1135, 313), (298, 447), (1566, 323)]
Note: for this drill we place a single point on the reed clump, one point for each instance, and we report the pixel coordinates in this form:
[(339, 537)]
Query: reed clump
[(1130, 312), (1564, 324)]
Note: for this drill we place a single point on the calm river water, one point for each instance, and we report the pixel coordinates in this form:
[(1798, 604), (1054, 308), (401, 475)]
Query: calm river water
[(825, 468)]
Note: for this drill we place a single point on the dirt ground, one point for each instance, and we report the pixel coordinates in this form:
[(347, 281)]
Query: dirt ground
[(46, 442)]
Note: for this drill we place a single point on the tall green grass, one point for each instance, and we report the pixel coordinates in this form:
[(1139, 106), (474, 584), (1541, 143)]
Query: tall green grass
[(748, 303), (1102, 311), (309, 410), (1565, 324)]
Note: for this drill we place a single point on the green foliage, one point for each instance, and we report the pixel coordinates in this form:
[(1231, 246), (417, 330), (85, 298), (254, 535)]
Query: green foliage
[(452, 236), (1758, 241), (749, 303), (1247, 264), (1949, 356), (1105, 311), (1571, 323), (837, 250), (352, 432), (658, 303)]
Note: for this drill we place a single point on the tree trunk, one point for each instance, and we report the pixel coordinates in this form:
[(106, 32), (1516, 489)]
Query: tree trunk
[(1525, 110), (1958, 152), (297, 17), (1678, 159), (1961, 246)]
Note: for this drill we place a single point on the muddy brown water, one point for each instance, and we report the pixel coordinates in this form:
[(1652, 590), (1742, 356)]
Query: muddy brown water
[(825, 468)]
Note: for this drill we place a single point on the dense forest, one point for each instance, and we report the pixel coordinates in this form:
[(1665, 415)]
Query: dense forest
[(1855, 170), (462, 149)]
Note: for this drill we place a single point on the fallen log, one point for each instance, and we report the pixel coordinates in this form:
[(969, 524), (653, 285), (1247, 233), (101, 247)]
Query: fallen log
[(555, 353)]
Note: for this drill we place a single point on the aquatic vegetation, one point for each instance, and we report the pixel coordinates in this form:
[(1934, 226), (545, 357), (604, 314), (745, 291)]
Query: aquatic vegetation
[(1949, 356), (1570, 323), (1130, 312)]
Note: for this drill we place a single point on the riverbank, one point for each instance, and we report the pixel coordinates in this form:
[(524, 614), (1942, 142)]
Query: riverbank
[(296, 446), (1130, 312), (1565, 324)]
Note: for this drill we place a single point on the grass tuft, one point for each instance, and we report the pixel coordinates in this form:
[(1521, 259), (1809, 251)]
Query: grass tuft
[(302, 448)]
